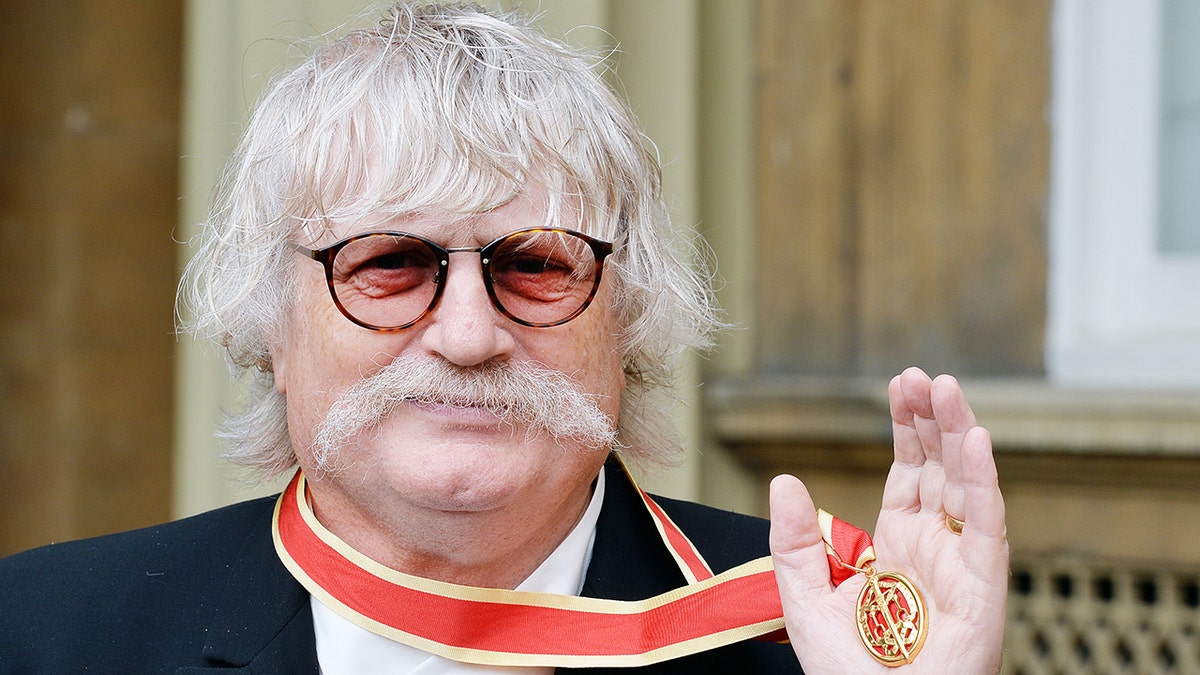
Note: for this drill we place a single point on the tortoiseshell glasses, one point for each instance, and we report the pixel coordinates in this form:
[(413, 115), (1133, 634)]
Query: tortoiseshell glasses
[(388, 281)]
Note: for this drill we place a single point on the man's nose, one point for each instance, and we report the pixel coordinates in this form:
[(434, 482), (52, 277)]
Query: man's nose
[(466, 328)]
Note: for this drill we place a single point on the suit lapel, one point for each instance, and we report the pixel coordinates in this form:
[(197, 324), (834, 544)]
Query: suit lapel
[(627, 540), (262, 621)]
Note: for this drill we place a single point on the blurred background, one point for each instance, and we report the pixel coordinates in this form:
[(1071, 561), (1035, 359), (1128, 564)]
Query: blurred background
[(1008, 191)]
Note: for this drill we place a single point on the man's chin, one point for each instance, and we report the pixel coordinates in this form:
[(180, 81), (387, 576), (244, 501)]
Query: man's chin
[(462, 483)]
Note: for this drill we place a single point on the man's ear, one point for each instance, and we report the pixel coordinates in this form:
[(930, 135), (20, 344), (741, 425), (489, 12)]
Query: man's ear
[(276, 363)]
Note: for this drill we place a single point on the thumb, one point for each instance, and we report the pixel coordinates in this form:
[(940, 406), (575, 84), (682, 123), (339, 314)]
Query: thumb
[(801, 568)]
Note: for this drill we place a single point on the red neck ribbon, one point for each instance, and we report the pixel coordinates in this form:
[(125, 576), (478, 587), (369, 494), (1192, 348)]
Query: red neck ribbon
[(847, 548), (517, 628)]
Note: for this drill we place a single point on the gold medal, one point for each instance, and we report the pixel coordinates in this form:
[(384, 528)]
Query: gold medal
[(891, 614), (892, 621)]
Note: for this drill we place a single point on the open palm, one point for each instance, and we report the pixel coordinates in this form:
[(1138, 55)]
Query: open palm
[(943, 466)]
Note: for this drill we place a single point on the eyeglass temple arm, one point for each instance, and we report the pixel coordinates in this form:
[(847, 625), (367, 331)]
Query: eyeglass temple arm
[(316, 254)]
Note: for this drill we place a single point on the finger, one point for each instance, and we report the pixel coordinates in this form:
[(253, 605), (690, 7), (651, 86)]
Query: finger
[(955, 419), (985, 545), (917, 389), (904, 431), (801, 568), (902, 490), (949, 405)]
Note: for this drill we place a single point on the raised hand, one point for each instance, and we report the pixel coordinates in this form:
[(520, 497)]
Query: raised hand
[(943, 467)]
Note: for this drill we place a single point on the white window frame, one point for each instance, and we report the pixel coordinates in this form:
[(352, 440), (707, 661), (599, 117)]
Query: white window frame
[(1121, 313)]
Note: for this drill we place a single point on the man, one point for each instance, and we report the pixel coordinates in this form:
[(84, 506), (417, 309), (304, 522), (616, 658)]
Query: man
[(441, 251)]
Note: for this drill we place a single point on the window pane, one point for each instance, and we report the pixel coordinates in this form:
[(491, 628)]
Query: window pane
[(1179, 192)]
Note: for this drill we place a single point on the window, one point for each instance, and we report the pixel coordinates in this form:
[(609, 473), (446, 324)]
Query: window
[(1179, 185), (1125, 205)]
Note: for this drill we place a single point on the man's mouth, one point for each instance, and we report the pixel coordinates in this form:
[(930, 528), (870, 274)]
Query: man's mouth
[(462, 410)]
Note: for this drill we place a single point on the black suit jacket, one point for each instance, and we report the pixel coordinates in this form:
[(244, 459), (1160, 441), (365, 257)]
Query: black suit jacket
[(208, 594)]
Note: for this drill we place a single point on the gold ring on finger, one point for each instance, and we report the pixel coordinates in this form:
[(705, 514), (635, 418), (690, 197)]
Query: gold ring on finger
[(955, 525)]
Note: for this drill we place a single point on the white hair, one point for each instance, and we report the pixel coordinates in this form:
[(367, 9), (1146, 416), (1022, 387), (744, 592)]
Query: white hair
[(448, 109)]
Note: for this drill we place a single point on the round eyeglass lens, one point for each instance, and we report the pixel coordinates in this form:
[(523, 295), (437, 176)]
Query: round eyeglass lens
[(542, 277), (385, 280)]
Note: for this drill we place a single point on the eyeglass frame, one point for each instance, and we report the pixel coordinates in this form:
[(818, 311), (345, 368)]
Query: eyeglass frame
[(600, 251)]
